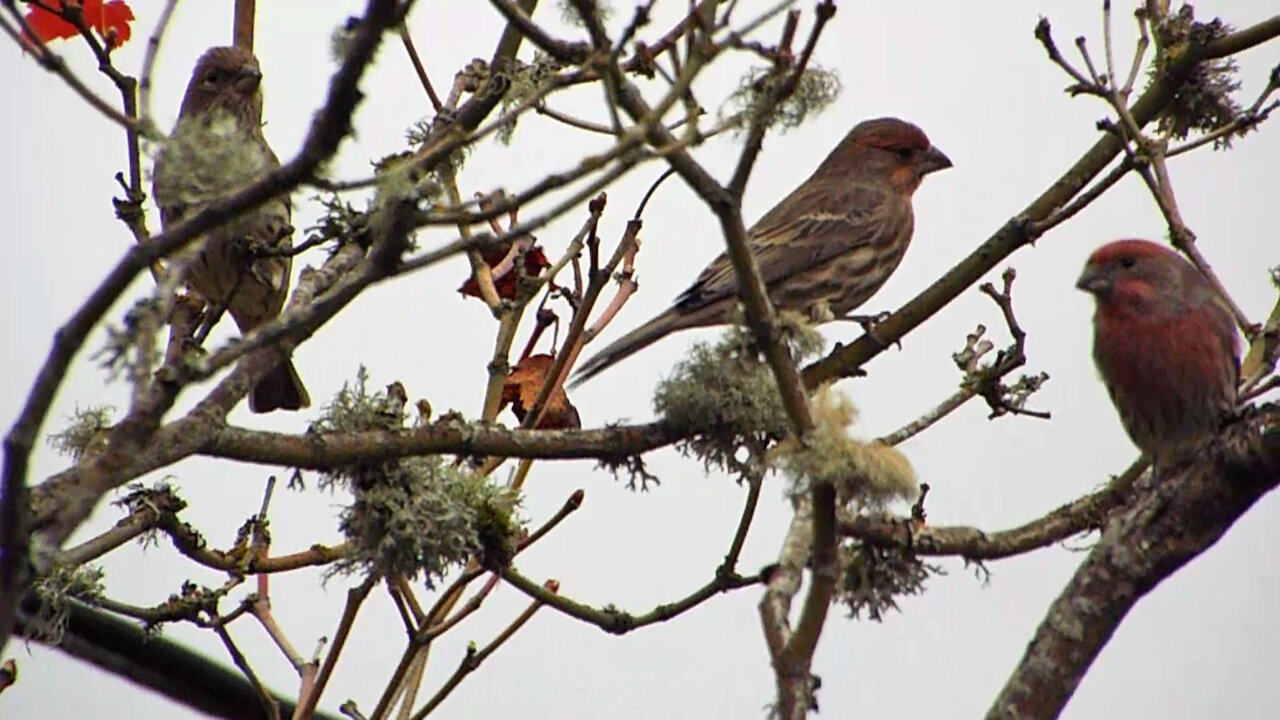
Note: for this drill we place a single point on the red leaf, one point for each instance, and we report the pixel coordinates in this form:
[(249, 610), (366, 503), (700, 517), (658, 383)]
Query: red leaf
[(109, 19), (535, 261)]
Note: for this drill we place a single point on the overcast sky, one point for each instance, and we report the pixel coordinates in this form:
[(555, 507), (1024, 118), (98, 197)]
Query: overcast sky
[(1205, 644)]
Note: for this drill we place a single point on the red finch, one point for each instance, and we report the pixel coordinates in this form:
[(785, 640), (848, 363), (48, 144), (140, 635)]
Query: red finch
[(216, 148), (1165, 345), (825, 249)]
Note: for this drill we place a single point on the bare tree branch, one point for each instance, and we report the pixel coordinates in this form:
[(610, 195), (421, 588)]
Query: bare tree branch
[(1172, 521), (619, 622), (1087, 513), (317, 451)]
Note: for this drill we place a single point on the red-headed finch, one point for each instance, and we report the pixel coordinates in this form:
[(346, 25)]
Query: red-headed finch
[(825, 249), (1165, 345), (217, 147)]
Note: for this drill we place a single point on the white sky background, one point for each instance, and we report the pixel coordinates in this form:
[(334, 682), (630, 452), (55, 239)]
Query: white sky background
[(1204, 644)]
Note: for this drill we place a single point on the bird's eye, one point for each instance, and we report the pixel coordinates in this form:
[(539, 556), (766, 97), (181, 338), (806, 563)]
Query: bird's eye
[(211, 78), (906, 153), (1127, 262)]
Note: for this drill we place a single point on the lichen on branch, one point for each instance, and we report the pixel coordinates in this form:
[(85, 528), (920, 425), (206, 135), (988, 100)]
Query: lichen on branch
[(817, 88), (726, 396), (83, 428), (868, 474), (414, 516)]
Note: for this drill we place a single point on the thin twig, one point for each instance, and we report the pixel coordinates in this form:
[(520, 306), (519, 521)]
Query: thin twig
[(1106, 45), (618, 622), (473, 659), (268, 703), (54, 63), (419, 68), (1045, 36), (1083, 200), (242, 30), (1139, 51), (952, 403), (1086, 514), (260, 608), (730, 564), (1260, 389), (1182, 236), (149, 61)]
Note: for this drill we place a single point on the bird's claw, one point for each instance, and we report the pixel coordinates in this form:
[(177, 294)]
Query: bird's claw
[(820, 313), (869, 322)]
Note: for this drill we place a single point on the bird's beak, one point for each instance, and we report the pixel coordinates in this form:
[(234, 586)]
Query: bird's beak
[(1093, 281), (933, 160), (248, 77)]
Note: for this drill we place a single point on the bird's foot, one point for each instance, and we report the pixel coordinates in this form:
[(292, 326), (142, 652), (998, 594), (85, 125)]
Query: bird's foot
[(820, 313), (869, 322)]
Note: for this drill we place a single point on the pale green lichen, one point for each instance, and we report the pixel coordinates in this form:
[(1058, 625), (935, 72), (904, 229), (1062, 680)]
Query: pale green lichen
[(130, 348), (339, 223), (869, 474), (727, 396), (160, 498), (570, 15), (341, 38), (430, 182), (1202, 101), (423, 516), (817, 89), (355, 408), (84, 427), (872, 578), (55, 592), (207, 156), (526, 80), (412, 516)]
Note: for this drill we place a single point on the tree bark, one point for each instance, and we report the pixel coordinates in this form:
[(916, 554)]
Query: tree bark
[(1169, 522)]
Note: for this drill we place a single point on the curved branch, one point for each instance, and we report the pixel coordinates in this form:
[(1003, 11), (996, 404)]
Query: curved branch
[(166, 667), (1082, 515), (1171, 522), (1241, 40), (620, 622)]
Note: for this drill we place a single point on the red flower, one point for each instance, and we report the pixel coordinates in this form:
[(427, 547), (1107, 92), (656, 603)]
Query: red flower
[(110, 20)]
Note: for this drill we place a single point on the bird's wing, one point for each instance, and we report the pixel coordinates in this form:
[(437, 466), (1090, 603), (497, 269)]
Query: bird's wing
[(1224, 326), (165, 190), (1221, 319), (812, 225)]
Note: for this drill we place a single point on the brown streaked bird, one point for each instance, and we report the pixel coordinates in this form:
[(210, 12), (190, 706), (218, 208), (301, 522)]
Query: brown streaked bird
[(216, 148), (825, 249)]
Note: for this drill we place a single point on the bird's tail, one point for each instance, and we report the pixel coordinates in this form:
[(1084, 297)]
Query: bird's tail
[(281, 389), (631, 343)]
